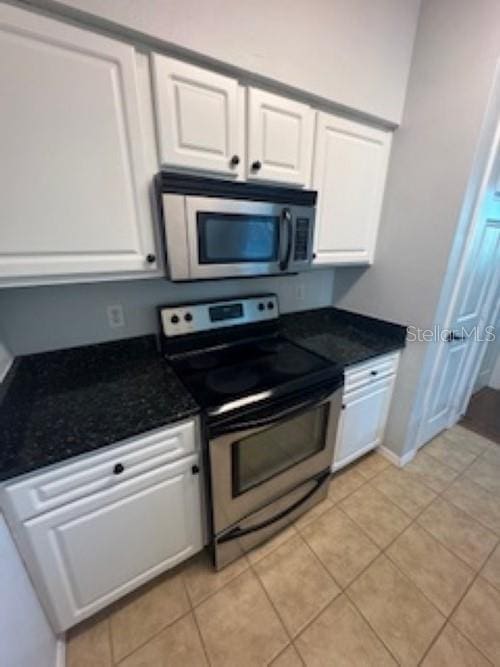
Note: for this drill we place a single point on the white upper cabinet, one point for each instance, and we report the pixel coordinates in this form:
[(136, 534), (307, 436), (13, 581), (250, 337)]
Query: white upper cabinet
[(350, 166), (280, 139), (198, 118), (73, 175)]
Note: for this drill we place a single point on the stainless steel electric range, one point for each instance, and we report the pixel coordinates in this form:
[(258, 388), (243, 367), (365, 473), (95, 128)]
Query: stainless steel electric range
[(270, 411)]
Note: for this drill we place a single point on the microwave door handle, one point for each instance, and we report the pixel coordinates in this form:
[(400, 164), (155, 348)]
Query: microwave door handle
[(286, 227)]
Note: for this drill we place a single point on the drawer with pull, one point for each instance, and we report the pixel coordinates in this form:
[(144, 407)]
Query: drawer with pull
[(363, 374), (98, 471)]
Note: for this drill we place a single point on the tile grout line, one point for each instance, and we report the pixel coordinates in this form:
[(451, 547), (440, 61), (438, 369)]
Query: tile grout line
[(212, 593), (273, 606), (414, 520), (255, 573), (110, 639), (203, 645), (345, 591), (151, 638), (269, 664), (195, 620), (336, 504), (341, 589), (449, 621), (476, 574), (440, 495)]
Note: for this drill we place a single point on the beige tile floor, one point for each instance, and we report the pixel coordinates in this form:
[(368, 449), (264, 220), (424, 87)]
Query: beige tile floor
[(397, 566)]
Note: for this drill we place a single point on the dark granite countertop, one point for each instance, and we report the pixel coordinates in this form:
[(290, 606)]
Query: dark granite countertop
[(341, 336), (57, 405)]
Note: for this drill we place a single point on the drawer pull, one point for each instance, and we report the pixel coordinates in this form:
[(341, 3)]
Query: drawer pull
[(118, 469), (373, 372)]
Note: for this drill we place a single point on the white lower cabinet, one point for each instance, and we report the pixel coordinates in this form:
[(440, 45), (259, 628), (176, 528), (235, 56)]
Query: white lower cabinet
[(364, 411), (87, 553)]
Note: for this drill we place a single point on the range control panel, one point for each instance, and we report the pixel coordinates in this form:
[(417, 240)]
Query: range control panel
[(193, 318)]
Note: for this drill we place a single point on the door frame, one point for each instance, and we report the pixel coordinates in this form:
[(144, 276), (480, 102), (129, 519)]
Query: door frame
[(469, 220)]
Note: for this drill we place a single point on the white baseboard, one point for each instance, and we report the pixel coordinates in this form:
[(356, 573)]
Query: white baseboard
[(396, 460), (61, 651)]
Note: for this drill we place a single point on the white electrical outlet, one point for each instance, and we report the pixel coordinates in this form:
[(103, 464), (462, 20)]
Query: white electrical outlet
[(116, 319)]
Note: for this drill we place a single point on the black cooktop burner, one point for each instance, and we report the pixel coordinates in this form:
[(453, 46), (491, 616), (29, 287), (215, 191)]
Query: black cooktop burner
[(223, 375), (292, 363), (226, 381), (203, 361)]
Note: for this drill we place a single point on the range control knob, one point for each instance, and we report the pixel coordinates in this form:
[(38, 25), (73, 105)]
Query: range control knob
[(188, 317), (174, 319), (270, 305), (261, 306)]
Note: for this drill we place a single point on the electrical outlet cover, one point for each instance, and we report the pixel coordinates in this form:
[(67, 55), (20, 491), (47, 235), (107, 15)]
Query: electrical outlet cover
[(116, 318)]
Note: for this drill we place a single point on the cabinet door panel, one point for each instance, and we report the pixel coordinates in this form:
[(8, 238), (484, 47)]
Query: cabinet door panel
[(197, 116), (71, 480), (93, 551), (349, 173), (280, 137), (73, 179), (362, 421)]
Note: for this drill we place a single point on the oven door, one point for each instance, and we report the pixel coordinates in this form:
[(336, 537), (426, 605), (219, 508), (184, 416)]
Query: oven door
[(263, 455), (230, 237)]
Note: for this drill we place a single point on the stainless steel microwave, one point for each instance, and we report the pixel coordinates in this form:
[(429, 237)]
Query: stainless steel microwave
[(219, 229)]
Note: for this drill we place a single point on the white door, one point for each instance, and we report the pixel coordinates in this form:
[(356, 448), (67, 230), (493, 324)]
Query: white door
[(280, 139), (362, 421), (90, 552), (471, 306), (349, 173), (488, 363), (198, 118), (73, 178)]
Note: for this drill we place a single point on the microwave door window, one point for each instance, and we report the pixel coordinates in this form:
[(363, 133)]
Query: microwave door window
[(235, 238)]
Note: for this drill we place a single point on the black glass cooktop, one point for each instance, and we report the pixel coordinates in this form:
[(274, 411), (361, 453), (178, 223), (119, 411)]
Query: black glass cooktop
[(239, 374)]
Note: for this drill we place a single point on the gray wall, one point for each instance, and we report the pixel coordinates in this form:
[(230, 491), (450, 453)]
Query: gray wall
[(356, 53), (456, 50), (21, 609), (35, 319)]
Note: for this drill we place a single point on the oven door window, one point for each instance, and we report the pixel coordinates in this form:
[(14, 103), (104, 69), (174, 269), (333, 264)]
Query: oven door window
[(263, 455), (227, 238)]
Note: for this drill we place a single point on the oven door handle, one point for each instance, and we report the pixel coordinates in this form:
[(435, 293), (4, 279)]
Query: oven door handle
[(237, 532), (296, 409)]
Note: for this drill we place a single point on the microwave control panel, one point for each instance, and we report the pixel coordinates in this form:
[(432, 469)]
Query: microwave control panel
[(301, 246)]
